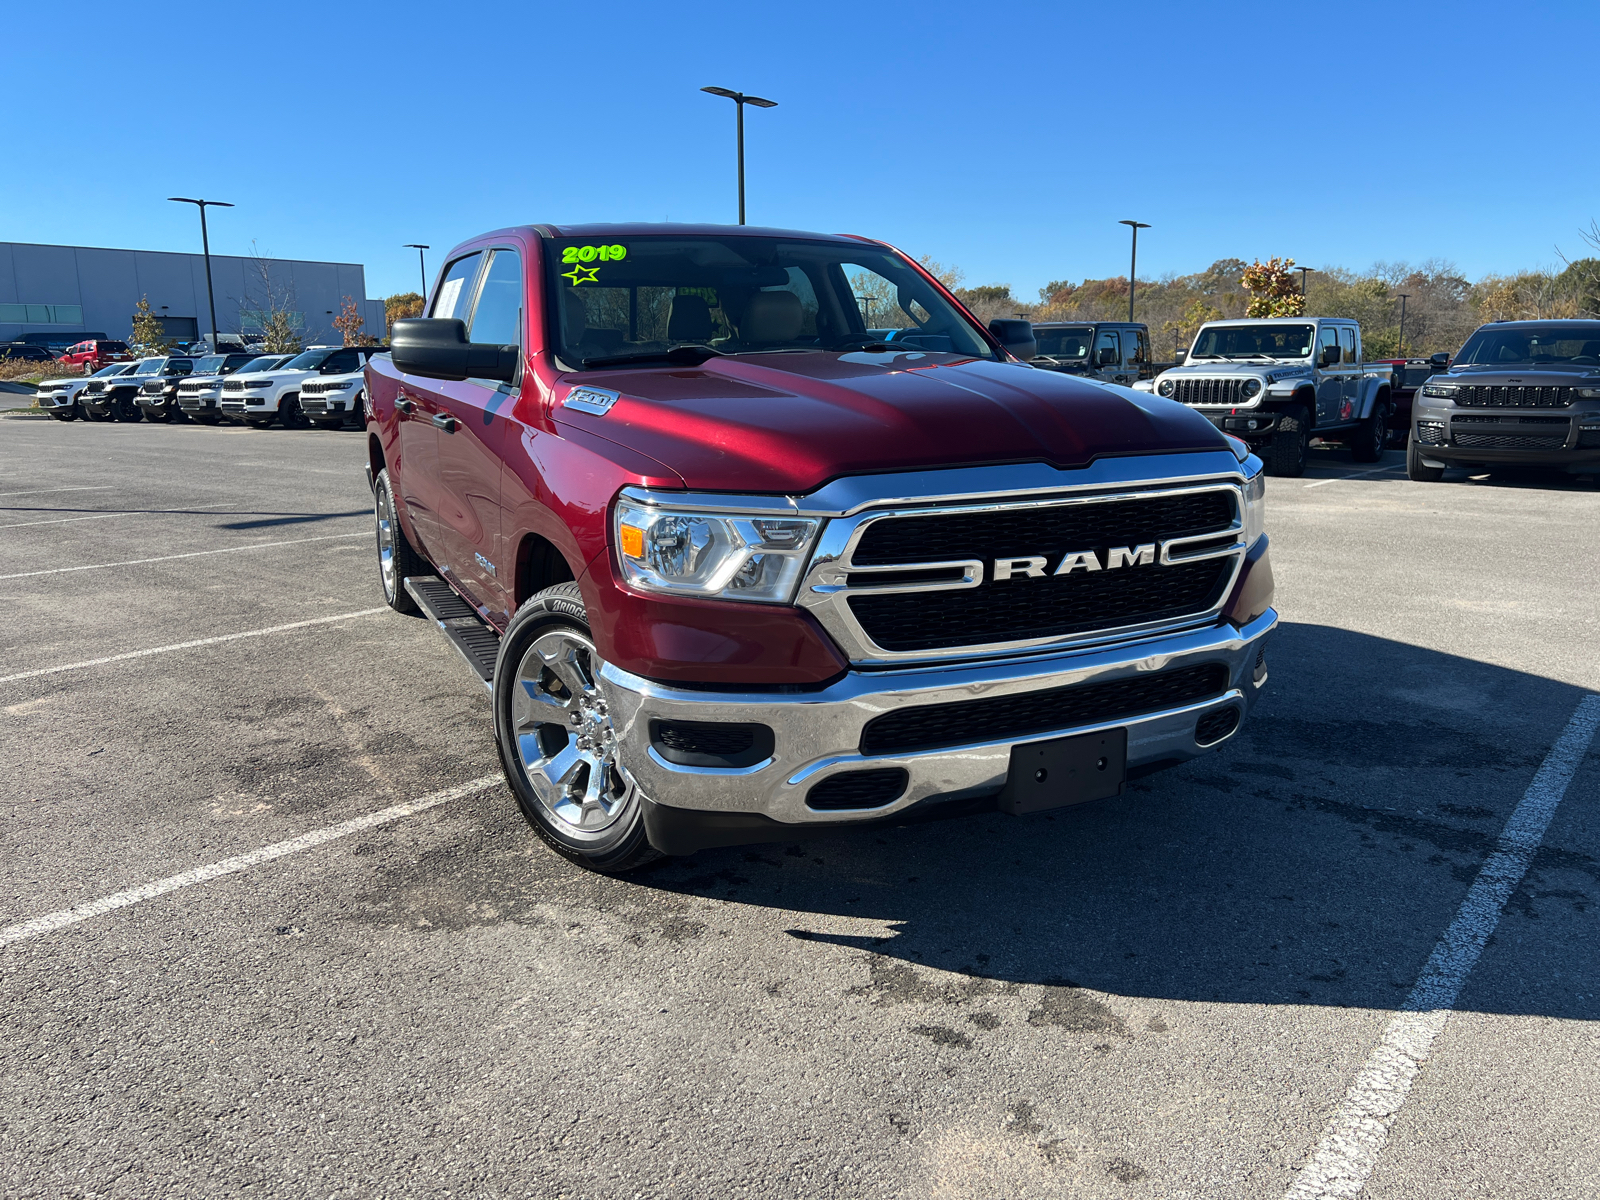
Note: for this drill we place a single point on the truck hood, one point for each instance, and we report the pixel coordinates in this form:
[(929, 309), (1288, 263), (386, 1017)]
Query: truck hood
[(788, 423)]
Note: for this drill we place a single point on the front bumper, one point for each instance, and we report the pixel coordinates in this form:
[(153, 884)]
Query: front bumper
[(817, 734), (1562, 438), (201, 403)]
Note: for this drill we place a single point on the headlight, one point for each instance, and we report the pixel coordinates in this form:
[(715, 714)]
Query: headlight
[(1255, 507), (1589, 393), (1441, 391), (336, 385), (1250, 387), (1165, 387), (725, 557)]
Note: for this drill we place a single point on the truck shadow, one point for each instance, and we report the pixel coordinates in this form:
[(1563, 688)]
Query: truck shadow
[(1315, 859)]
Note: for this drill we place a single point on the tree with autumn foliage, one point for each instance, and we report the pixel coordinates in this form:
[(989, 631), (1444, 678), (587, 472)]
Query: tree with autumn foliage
[(1271, 285), (149, 335), (349, 323), (399, 306)]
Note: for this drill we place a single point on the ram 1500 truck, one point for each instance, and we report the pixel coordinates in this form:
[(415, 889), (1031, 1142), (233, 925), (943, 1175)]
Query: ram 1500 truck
[(1277, 382), (733, 567), (1518, 393)]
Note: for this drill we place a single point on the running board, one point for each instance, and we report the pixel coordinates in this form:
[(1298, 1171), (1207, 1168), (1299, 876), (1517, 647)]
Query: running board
[(458, 621)]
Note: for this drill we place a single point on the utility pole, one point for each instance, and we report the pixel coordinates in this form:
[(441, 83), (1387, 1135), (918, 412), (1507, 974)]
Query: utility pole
[(1401, 351), (739, 101), (205, 246), (1133, 265), (422, 265), (1304, 271)]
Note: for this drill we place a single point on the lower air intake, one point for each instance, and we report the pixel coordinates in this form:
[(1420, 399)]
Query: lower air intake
[(1215, 726), (858, 789)]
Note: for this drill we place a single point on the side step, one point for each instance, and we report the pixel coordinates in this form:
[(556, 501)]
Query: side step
[(478, 643)]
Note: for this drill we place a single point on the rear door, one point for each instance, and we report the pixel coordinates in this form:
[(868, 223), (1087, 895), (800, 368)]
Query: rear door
[(1351, 392), (1330, 379), (418, 402), (472, 423)]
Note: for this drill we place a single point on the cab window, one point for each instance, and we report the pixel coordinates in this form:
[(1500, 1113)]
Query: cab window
[(1108, 339), (496, 319), (454, 295), (1326, 336), (1347, 343)]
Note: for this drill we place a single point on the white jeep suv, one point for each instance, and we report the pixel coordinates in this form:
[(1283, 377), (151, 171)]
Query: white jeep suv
[(336, 401), (260, 397), (60, 396)]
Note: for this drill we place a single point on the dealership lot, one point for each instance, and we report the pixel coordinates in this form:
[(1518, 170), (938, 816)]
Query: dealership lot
[(1166, 994)]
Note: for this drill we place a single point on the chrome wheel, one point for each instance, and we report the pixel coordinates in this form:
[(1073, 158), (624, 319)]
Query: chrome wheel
[(566, 746), (384, 511)]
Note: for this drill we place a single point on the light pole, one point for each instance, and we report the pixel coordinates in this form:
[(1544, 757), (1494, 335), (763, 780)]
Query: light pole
[(1401, 350), (1133, 265), (205, 245), (1304, 271), (422, 266), (739, 101)]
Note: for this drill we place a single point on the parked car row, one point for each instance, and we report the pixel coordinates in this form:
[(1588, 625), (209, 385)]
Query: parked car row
[(322, 385)]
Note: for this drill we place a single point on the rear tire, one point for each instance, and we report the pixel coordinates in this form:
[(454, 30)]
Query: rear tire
[(557, 746), (1367, 445), (1291, 443), (1416, 470), (396, 558)]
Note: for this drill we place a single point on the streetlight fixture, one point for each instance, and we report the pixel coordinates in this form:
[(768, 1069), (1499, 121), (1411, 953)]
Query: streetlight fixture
[(1133, 265), (422, 265), (1304, 271), (205, 245), (739, 101), (1401, 349)]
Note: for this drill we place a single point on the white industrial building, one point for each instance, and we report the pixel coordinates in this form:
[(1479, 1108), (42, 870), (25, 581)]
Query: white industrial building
[(85, 289)]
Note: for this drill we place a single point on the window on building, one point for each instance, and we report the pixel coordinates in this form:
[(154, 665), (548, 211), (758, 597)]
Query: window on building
[(41, 314)]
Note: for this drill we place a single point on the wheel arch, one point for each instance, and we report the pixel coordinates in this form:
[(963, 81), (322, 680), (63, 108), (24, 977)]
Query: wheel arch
[(539, 565)]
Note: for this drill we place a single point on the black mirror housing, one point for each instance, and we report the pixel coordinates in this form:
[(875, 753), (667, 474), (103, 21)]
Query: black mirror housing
[(1107, 356), (1016, 336), (1440, 359), (1329, 356), (438, 349)]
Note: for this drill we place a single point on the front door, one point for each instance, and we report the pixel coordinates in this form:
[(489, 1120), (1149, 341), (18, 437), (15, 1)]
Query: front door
[(1330, 385), (473, 416), (418, 405)]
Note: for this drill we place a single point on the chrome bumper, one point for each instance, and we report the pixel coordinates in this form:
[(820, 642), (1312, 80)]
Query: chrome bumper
[(818, 734)]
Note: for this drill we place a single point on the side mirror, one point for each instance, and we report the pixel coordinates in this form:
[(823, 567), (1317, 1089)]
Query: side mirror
[(1179, 357), (1016, 336), (1329, 356), (1107, 357), (1439, 360), (438, 349)]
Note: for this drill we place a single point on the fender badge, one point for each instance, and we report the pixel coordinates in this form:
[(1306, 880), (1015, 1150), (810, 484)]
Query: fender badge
[(597, 401)]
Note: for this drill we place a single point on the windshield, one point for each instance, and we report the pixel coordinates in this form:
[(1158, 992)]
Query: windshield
[(178, 366), (1065, 343), (309, 361), (1253, 341), (642, 296), (1574, 344), (113, 369), (265, 363), (210, 364), (150, 366)]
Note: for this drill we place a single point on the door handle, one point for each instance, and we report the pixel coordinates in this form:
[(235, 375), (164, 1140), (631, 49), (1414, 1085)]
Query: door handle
[(445, 422), (405, 406)]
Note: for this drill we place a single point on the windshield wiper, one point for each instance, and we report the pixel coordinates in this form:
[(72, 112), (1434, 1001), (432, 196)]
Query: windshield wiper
[(691, 355)]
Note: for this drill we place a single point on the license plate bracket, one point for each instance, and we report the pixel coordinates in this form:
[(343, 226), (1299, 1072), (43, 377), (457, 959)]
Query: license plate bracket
[(1066, 770)]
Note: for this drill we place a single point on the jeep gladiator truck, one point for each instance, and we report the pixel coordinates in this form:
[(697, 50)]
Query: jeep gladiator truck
[(1277, 382), (1113, 351), (1518, 393), (733, 567)]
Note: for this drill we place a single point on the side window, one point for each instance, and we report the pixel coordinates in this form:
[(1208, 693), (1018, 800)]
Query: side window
[(342, 362), (1108, 340), (1347, 342), (454, 293), (1327, 336), (496, 319), (1141, 349)]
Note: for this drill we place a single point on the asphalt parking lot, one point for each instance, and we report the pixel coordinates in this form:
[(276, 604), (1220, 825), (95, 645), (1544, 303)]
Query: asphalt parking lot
[(1167, 994)]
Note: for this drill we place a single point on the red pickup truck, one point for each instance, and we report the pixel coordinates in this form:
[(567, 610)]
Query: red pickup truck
[(734, 565)]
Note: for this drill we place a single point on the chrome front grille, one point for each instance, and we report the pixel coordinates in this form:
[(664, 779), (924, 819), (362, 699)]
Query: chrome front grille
[(926, 583), (1475, 395), (1221, 392)]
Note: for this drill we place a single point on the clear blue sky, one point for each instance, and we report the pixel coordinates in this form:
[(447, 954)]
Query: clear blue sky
[(1005, 139)]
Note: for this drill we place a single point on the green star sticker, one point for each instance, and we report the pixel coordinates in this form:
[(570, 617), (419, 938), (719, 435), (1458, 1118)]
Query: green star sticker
[(582, 274)]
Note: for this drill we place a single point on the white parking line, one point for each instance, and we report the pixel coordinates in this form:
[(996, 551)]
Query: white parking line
[(1358, 474), (134, 562), (239, 862), (103, 516), (1350, 1145), (99, 487), (210, 641)]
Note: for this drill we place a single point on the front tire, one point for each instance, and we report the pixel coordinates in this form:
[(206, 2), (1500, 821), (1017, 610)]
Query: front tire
[(557, 746), (396, 558), (1367, 445), (289, 411), (1291, 443), (1416, 470), (129, 412)]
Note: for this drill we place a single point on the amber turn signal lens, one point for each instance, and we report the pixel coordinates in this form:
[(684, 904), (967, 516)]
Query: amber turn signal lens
[(632, 541)]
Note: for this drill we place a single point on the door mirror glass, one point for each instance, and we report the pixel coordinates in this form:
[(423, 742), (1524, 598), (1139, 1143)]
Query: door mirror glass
[(1107, 356)]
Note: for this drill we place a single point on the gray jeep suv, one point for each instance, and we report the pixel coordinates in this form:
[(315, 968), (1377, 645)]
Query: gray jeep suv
[(1524, 392)]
